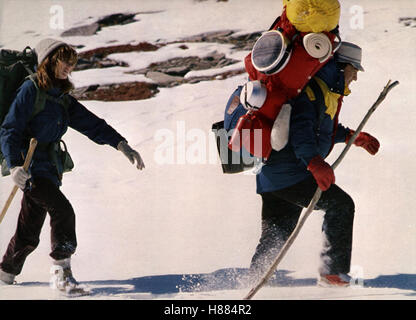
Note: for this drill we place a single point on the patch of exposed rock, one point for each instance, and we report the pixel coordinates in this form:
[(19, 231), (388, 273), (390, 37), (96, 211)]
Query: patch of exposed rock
[(172, 72), (240, 42), (117, 92), (167, 73), (93, 28), (97, 58), (408, 21)]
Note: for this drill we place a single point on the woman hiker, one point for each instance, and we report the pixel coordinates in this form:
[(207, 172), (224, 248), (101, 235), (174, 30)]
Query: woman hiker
[(289, 178), (41, 184)]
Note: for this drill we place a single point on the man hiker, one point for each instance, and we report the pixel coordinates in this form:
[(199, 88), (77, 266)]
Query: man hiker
[(290, 177)]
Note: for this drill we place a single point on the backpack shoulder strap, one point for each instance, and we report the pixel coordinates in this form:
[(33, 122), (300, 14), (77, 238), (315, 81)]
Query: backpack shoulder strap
[(319, 101), (40, 96)]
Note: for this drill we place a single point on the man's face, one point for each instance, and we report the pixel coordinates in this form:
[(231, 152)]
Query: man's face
[(350, 74), (63, 69)]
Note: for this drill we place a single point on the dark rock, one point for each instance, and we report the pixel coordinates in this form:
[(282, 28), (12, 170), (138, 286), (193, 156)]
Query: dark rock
[(86, 30), (167, 73), (241, 42), (93, 28), (139, 71), (79, 91), (117, 92), (105, 51), (171, 72), (177, 71), (96, 58), (163, 79), (208, 36), (182, 65), (408, 21), (116, 19), (84, 64)]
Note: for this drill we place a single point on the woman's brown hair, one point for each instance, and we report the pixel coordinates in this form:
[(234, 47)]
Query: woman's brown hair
[(46, 70)]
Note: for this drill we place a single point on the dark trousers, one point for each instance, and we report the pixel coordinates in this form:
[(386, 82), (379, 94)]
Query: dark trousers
[(280, 213), (43, 197)]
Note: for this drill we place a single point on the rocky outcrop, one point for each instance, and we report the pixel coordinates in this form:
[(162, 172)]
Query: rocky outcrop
[(408, 21), (169, 73), (93, 28), (97, 58), (172, 72), (240, 42), (117, 92)]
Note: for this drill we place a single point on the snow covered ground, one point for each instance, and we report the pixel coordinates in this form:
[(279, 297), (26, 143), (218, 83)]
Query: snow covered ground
[(183, 230)]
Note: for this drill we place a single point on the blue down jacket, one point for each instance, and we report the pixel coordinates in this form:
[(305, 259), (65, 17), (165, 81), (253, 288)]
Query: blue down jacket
[(289, 165), (47, 126)]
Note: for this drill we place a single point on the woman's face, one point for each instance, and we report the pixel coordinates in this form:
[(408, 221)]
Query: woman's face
[(63, 69)]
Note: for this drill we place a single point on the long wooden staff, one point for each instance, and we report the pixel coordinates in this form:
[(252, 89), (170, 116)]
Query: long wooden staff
[(28, 159)]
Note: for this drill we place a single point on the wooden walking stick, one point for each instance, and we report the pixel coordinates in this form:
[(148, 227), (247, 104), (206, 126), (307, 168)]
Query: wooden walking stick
[(317, 195), (32, 146)]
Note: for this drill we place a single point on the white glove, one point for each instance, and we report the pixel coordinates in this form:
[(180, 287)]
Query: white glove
[(131, 154), (20, 176)]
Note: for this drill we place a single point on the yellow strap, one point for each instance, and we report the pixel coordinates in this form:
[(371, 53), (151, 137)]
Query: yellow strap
[(330, 98)]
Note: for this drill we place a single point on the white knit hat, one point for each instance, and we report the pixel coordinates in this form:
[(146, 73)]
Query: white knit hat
[(45, 47), (350, 53)]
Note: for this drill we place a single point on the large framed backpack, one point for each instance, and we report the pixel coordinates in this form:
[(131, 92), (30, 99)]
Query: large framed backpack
[(283, 59)]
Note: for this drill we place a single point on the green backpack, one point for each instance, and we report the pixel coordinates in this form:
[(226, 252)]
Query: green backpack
[(15, 68)]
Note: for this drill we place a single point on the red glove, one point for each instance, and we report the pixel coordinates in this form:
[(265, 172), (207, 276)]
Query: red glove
[(366, 141), (322, 172)]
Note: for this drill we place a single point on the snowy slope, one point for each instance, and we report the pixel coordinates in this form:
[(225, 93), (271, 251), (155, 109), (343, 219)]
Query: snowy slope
[(184, 230)]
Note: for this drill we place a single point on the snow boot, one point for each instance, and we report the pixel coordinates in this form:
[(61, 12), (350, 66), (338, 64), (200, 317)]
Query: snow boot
[(6, 278), (334, 280), (64, 281)]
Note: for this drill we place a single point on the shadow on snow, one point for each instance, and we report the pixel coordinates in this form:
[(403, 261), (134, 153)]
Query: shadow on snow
[(228, 279), (222, 279)]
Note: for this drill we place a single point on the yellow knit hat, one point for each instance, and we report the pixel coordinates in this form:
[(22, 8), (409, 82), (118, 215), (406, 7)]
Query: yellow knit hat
[(313, 15)]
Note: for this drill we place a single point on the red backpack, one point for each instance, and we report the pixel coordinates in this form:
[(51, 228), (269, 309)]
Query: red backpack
[(283, 81)]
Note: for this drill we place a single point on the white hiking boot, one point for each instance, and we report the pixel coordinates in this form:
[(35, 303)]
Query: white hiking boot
[(63, 280), (6, 278)]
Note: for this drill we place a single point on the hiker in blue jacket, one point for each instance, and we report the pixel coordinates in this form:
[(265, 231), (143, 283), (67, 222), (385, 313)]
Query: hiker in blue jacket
[(41, 184), (289, 178)]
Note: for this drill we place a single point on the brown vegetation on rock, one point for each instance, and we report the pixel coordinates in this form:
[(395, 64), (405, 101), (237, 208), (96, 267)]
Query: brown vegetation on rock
[(118, 92), (105, 51)]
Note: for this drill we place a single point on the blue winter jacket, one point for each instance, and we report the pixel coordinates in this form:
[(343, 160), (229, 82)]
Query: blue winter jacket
[(309, 136), (47, 126)]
